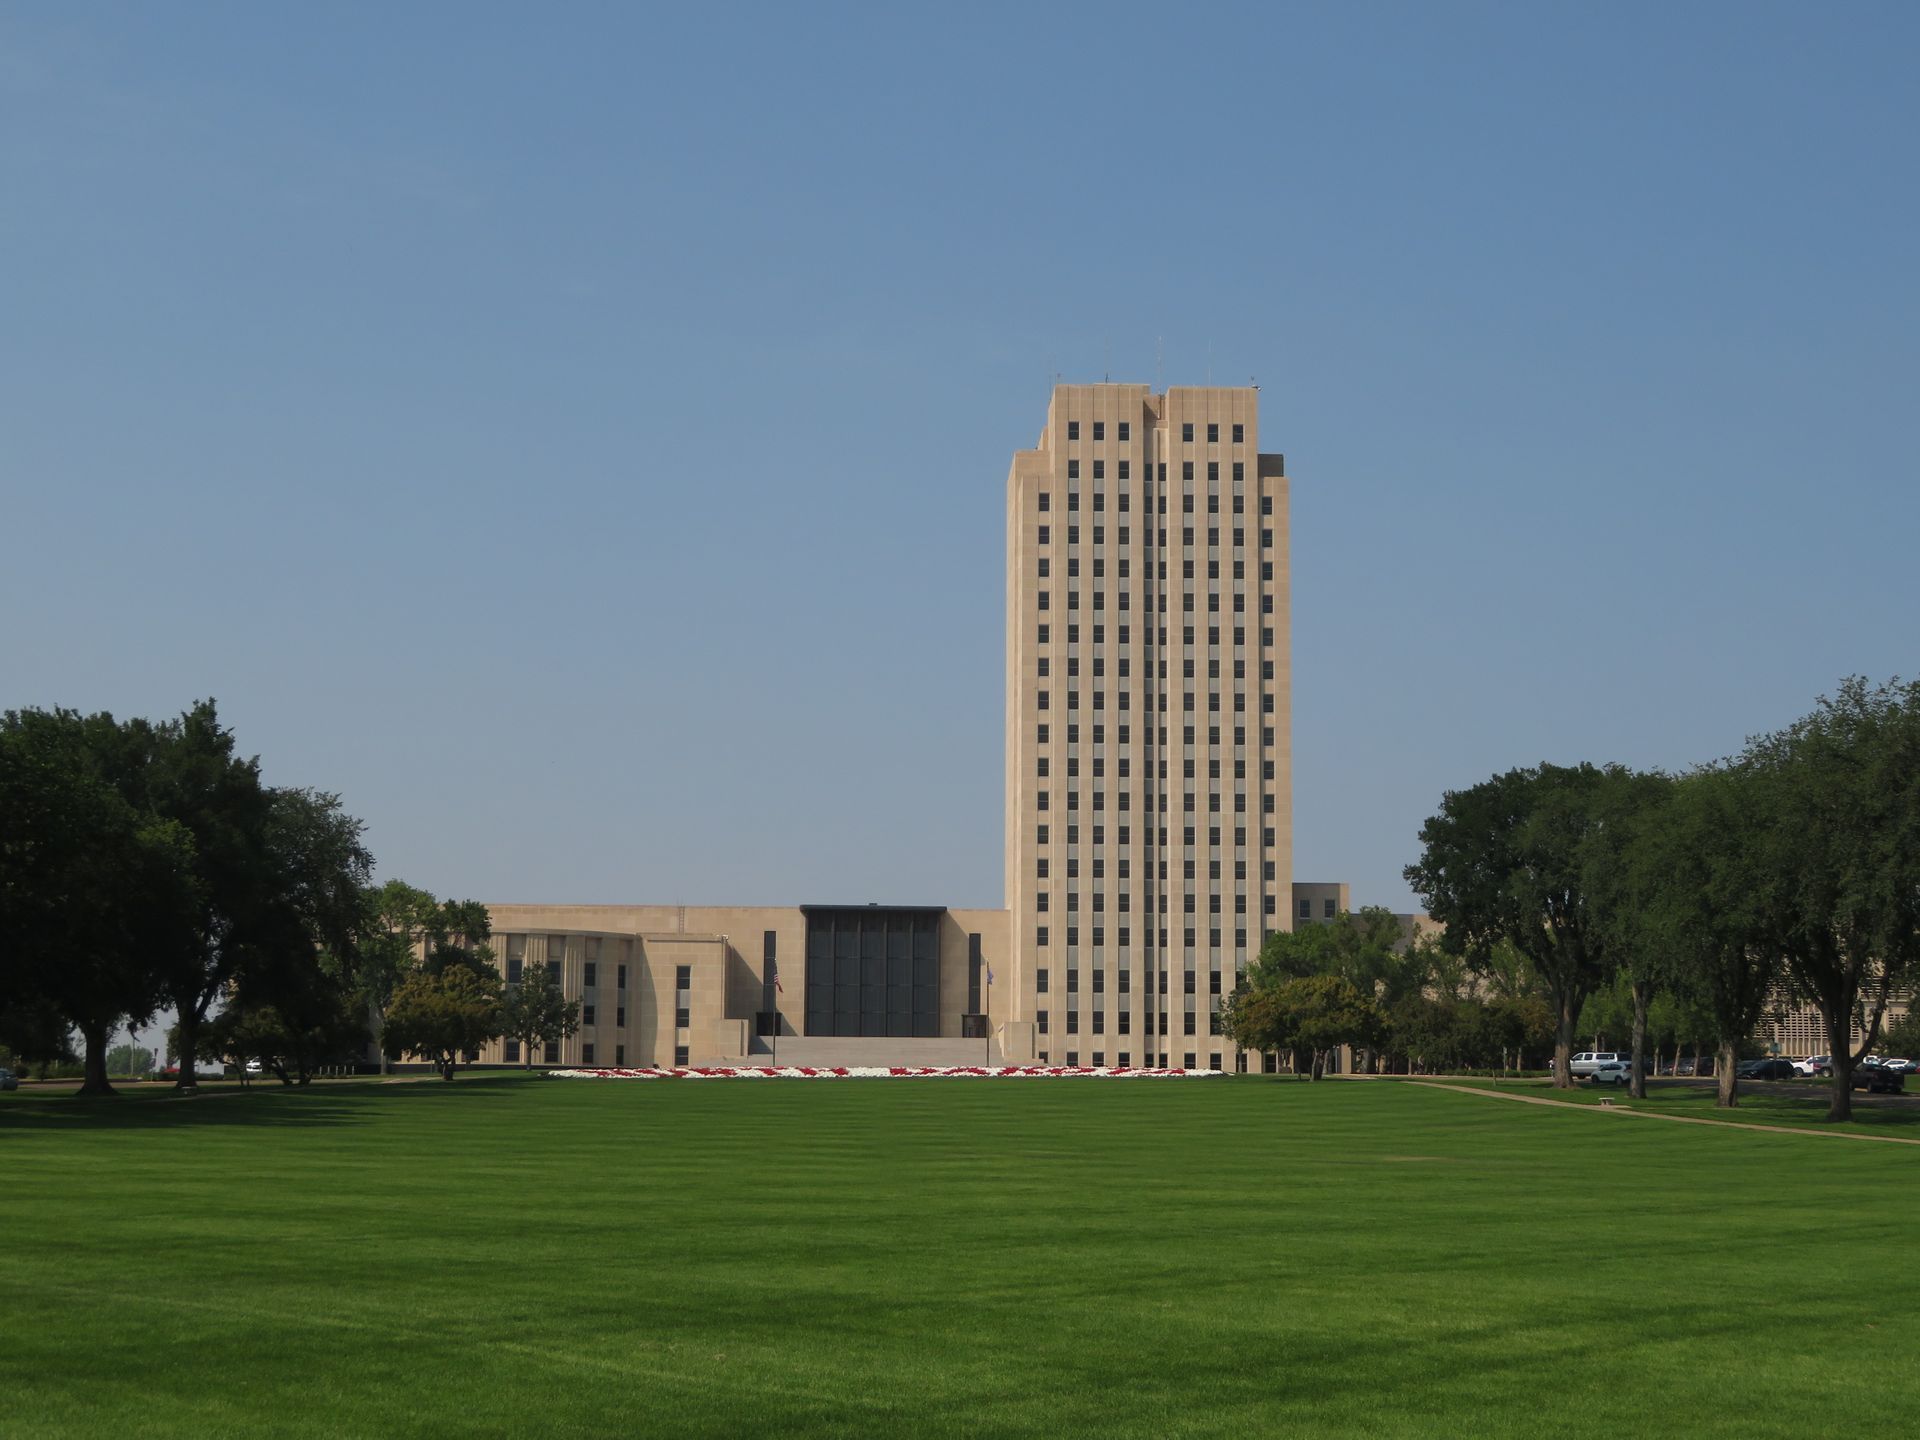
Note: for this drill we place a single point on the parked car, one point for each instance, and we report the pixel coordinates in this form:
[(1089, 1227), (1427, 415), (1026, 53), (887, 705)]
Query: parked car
[(8, 1080), (1775, 1069), (1903, 1066), (1815, 1065), (1612, 1072), (1588, 1061), (1876, 1078)]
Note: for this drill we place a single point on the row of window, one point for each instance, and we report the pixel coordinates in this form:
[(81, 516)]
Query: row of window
[(1043, 535), (1187, 606), (1189, 1025), (1043, 700), (1124, 431), (1044, 569), (1215, 940), (1191, 982), (1123, 871), (1306, 909), (1187, 507), (1147, 734), (1189, 805), (1125, 836)]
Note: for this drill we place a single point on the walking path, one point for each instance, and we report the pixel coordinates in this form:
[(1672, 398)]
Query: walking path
[(1656, 1115)]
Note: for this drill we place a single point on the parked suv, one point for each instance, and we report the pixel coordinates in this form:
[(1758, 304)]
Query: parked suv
[(1588, 1061), (1612, 1072), (1873, 1076), (7, 1080), (1815, 1065), (1775, 1069)]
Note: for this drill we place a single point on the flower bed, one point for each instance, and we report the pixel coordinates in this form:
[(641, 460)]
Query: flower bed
[(880, 1072)]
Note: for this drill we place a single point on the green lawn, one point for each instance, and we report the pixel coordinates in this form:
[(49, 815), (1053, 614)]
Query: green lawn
[(1792, 1102), (1240, 1257)]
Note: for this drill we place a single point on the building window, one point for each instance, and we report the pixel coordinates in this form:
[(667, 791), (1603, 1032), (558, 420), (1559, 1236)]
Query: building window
[(1126, 430), (619, 1015), (683, 977), (590, 975), (1186, 433), (586, 1053), (1040, 1022), (619, 1054), (1099, 429), (1040, 980), (586, 1014), (513, 1052), (1306, 909), (1046, 502), (1213, 434), (552, 1056), (1327, 909), (1073, 429), (679, 1055), (621, 978), (1239, 434), (1073, 473), (682, 1018), (553, 971), (514, 967)]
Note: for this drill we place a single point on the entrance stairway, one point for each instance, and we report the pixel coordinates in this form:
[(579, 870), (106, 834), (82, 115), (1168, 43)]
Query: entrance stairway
[(829, 1050)]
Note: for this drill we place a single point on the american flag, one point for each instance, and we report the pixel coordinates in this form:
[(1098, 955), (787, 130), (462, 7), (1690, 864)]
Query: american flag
[(989, 976), (773, 973)]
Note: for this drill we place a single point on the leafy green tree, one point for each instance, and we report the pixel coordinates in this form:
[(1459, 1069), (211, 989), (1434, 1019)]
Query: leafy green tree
[(1702, 909), (536, 1011), (87, 880), (1837, 805), (456, 936), (34, 1034), (441, 1017), (1315, 1013), (1903, 1036), (1507, 860), (129, 1059), (402, 917)]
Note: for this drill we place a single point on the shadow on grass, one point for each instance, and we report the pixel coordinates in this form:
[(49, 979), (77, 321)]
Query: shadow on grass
[(345, 1102)]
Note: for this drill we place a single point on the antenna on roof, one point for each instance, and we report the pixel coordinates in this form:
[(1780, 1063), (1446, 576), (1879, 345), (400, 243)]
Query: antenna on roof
[(1106, 360), (1159, 364)]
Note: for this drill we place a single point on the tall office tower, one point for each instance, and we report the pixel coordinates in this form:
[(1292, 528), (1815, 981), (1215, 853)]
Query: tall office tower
[(1149, 739)]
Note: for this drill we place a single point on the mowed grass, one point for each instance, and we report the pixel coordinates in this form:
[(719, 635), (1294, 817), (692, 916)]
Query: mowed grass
[(526, 1257), (1801, 1103)]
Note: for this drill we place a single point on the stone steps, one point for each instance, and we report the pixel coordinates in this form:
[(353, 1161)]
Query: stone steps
[(829, 1050)]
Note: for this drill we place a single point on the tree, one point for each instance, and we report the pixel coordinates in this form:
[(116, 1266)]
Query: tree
[(536, 1011), (441, 1017), (129, 1059), (86, 880), (401, 916), (1617, 888), (1701, 895), (1838, 801), (1316, 1013), (1506, 861), (1364, 948)]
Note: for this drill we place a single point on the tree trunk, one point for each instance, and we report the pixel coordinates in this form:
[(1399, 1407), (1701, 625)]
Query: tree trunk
[(1840, 1046), (188, 1080), (96, 1074), (1637, 1082), (1319, 1064), (1563, 1041), (1726, 1090)]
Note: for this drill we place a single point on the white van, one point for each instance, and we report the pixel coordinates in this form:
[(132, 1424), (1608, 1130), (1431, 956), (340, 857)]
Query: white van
[(1588, 1061)]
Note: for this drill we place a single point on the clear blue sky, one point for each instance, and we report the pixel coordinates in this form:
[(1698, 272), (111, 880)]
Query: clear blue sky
[(578, 434)]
